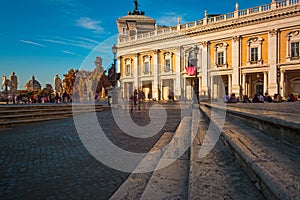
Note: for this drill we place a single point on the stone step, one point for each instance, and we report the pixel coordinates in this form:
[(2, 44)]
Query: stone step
[(272, 164), (34, 114), (166, 181), (217, 175), (282, 126), (136, 183)]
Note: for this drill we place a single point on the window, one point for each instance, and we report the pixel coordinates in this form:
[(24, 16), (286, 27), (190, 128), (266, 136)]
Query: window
[(220, 58), (220, 55), (167, 65), (127, 72), (254, 54), (295, 49), (293, 39), (146, 67), (168, 56), (128, 67)]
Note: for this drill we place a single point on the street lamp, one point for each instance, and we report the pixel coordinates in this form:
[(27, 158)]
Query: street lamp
[(114, 51), (114, 95), (196, 82)]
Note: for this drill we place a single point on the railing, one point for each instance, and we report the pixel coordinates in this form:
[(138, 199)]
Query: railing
[(228, 16)]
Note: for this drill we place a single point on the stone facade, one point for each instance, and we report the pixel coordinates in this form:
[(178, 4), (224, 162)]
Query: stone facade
[(245, 52)]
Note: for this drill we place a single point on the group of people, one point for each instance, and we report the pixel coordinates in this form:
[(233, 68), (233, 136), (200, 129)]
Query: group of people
[(230, 99), (137, 98), (259, 98)]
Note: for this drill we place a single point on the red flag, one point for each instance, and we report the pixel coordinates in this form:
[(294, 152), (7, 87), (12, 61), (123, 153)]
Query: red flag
[(191, 71)]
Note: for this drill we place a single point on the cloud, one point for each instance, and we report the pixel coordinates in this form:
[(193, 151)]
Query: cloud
[(33, 43), (69, 52), (170, 19), (88, 23), (76, 43), (89, 40)]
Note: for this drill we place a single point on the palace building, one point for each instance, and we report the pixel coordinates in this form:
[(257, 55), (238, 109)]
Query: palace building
[(246, 52)]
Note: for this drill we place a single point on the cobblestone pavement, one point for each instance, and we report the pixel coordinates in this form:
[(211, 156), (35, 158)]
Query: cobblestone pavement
[(286, 107), (48, 160)]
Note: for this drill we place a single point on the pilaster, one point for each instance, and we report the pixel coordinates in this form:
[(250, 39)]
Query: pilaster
[(136, 71), (235, 65), (155, 74), (273, 58), (205, 64), (177, 70)]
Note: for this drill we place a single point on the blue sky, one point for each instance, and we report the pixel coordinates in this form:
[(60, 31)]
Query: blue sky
[(45, 37)]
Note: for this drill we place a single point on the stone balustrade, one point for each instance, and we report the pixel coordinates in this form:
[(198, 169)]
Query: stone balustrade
[(211, 20)]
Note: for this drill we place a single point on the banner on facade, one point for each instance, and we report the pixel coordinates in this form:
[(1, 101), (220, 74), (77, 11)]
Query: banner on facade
[(190, 71)]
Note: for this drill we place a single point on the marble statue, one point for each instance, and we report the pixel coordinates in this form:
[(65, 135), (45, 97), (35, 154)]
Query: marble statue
[(13, 82), (5, 83), (57, 84)]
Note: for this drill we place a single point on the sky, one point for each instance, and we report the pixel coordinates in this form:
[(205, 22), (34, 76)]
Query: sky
[(48, 37)]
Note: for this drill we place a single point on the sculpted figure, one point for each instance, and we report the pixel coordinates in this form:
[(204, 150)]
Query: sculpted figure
[(57, 83), (14, 82)]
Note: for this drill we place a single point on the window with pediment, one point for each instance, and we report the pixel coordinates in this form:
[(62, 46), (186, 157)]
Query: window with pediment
[(293, 39), (168, 62), (220, 55), (254, 55), (128, 63), (146, 64)]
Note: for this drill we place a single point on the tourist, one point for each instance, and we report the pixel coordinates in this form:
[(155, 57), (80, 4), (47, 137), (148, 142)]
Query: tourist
[(226, 98), (232, 98), (246, 99), (261, 98), (268, 98), (255, 99)]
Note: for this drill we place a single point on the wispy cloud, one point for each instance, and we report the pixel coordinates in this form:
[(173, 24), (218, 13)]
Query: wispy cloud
[(89, 40), (32, 43), (69, 52), (89, 23), (77, 43)]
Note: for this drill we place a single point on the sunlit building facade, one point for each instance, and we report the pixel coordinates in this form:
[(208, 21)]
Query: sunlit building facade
[(250, 51)]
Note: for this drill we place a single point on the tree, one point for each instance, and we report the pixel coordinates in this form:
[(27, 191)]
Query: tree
[(69, 80)]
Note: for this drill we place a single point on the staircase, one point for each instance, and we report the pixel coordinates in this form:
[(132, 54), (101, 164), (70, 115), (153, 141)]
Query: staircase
[(17, 114), (251, 160)]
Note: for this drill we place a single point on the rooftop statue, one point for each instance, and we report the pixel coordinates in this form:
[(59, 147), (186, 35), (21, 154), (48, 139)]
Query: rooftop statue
[(136, 5), (136, 9)]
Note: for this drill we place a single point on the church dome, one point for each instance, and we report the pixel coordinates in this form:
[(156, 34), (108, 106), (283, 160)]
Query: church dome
[(33, 85)]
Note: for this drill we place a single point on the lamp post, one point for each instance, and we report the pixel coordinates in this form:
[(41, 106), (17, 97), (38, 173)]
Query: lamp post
[(114, 95), (196, 81), (114, 51)]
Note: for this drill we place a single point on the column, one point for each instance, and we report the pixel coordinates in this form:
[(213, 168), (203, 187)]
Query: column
[(229, 84), (155, 74), (265, 82), (211, 87), (282, 89), (136, 71), (244, 84)]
